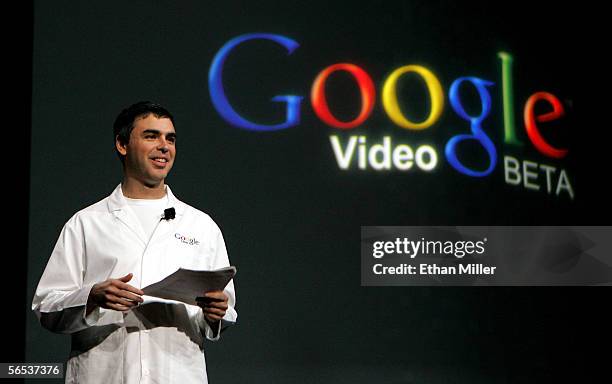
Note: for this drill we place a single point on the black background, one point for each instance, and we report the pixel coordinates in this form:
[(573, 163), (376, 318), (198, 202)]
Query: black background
[(288, 214)]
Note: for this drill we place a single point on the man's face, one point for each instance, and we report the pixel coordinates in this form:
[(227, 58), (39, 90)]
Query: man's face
[(149, 155)]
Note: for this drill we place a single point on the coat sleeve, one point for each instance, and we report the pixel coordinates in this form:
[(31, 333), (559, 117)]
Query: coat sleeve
[(61, 297), (220, 260)]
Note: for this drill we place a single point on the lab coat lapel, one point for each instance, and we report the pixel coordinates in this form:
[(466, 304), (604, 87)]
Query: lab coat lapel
[(117, 205), (127, 217), (165, 227)]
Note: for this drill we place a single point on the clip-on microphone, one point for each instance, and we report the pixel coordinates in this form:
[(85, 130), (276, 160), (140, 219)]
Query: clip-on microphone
[(169, 214)]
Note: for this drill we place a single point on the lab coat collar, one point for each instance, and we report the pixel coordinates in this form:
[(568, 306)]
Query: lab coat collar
[(117, 202)]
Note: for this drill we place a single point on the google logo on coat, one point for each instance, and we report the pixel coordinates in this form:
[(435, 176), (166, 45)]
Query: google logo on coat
[(403, 157)]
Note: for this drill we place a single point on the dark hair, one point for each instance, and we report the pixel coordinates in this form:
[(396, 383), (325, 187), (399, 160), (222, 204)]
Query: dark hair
[(124, 123)]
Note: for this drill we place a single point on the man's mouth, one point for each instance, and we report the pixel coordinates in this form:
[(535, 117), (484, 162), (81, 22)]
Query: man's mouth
[(160, 161)]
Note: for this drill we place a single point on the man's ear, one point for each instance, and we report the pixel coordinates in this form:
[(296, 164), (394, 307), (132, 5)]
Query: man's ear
[(121, 148)]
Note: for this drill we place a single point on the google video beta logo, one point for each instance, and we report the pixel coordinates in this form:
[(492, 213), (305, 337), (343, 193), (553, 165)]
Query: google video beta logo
[(402, 156)]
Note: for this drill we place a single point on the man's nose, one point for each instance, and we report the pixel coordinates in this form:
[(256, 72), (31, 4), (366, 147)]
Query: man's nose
[(163, 145)]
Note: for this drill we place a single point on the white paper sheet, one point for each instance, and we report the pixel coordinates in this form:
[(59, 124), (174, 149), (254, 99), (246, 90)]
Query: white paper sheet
[(185, 284)]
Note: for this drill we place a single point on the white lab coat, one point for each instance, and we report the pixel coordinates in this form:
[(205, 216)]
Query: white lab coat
[(156, 342)]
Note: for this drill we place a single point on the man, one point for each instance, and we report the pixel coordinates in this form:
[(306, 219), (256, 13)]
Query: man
[(91, 287)]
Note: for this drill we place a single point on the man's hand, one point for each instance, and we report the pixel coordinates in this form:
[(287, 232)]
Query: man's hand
[(214, 305), (114, 294)]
